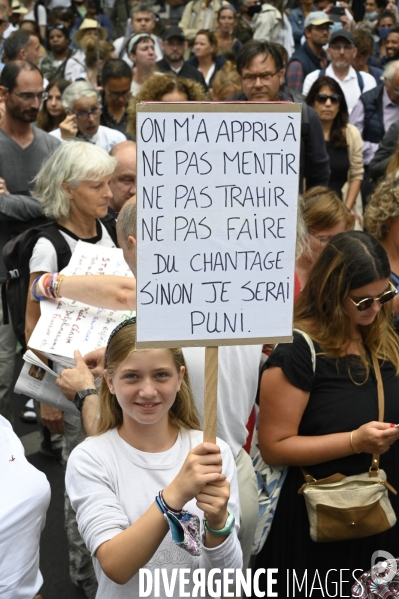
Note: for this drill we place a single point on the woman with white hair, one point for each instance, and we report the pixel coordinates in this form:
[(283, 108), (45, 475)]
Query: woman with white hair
[(73, 188), (82, 105)]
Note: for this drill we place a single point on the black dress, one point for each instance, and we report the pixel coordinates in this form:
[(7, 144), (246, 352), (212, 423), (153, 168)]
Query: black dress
[(336, 404), (339, 167)]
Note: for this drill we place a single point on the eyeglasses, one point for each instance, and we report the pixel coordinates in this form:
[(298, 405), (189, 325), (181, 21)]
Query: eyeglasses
[(338, 48), (85, 114), (264, 77), (322, 98), (117, 95), (367, 302), (29, 97)]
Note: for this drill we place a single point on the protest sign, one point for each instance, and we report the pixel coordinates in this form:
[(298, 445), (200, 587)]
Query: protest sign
[(216, 230), (216, 227), (66, 325)]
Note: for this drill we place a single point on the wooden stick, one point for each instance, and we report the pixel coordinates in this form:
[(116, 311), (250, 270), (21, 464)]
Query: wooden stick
[(211, 392)]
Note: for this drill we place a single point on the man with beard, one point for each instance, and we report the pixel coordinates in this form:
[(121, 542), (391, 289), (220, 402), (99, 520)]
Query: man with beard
[(174, 46), (23, 149)]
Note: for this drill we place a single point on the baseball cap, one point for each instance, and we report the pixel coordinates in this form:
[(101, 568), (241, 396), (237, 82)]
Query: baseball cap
[(173, 32), (342, 33), (317, 18)]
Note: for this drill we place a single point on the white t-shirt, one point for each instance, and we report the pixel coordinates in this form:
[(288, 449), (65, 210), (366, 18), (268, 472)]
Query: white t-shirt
[(75, 67), (350, 86), (10, 29), (237, 386), (105, 138), (41, 16), (44, 257), (111, 484), (25, 497)]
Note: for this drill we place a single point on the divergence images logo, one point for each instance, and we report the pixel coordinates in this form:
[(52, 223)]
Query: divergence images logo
[(381, 581)]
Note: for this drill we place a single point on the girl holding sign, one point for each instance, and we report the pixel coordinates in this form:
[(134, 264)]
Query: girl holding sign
[(147, 471)]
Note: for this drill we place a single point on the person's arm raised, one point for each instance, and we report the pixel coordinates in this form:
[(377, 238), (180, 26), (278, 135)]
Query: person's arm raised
[(281, 409)]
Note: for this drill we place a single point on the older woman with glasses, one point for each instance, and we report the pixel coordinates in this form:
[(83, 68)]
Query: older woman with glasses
[(81, 102), (343, 141), (319, 412)]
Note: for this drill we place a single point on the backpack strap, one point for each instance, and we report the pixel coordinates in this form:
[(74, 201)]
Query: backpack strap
[(110, 224), (61, 246), (360, 81), (311, 347)]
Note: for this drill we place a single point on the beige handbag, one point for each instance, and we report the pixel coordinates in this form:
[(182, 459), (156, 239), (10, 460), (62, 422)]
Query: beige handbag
[(350, 507)]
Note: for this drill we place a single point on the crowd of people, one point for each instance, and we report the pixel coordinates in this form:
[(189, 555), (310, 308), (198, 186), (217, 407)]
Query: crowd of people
[(71, 75)]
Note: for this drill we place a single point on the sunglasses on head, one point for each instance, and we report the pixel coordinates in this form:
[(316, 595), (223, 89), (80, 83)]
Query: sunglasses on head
[(322, 98), (367, 302)]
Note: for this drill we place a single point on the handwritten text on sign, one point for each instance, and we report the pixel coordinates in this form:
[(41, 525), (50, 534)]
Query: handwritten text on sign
[(217, 201)]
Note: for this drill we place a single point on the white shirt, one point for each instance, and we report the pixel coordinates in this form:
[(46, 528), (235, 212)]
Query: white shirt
[(350, 86), (237, 386), (111, 484), (10, 29), (75, 67), (41, 16), (25, 497), (105, 137)]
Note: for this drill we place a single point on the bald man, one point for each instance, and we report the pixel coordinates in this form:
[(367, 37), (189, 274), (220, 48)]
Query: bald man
[(123, 181)]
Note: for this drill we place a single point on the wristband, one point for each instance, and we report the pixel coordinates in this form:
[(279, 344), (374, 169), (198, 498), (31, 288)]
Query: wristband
[(39, 298), (223, 532), (184, 527)]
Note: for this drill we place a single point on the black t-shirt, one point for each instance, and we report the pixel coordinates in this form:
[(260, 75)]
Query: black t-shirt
[(339, 400)]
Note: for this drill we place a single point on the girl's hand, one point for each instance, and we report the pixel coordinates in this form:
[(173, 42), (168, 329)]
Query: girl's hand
[(212, 500), (374, 437), (202, 466)]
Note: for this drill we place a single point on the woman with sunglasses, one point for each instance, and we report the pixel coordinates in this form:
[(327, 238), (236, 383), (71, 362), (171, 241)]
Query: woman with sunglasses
[(381, 218), (343, 141), (325, 417), (53, 63)]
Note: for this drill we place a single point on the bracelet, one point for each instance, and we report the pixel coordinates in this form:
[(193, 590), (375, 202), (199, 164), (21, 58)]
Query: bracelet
[(223, 532), (161, 502), (57, 280), (353, 449), (39, 298)]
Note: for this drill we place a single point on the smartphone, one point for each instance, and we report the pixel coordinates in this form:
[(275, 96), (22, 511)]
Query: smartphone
[(336, 12)]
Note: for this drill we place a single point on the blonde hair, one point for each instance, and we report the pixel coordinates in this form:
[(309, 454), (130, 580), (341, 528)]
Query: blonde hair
[(183, 413), (71, 163), (382, 207), (322, 209), (226, 82)]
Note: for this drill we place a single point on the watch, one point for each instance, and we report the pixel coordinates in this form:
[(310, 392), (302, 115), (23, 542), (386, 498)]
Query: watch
[(223, 532), (81, 396)]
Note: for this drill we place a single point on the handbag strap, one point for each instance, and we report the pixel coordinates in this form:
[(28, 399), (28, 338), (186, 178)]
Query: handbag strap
[(375, 461)]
